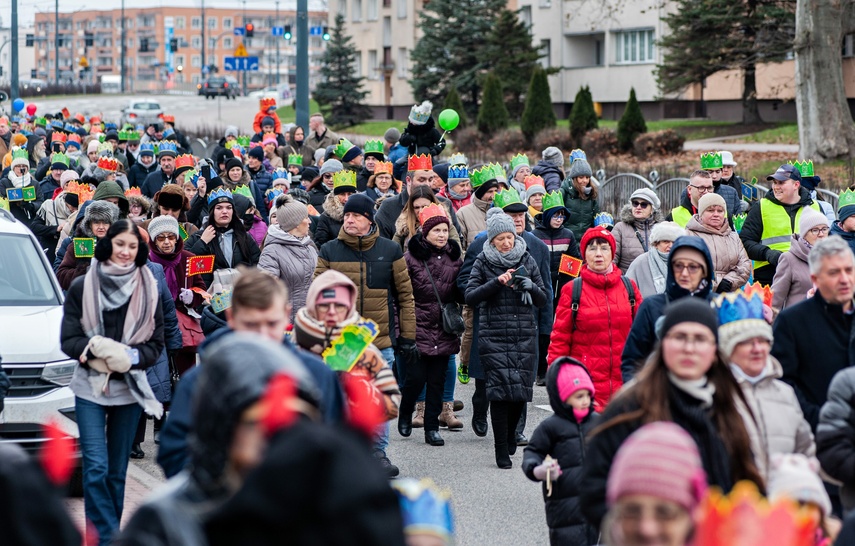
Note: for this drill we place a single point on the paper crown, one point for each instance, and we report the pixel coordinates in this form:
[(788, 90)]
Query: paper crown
[(458, 172), (711, 160), (425, 509), (739, 221), (272, 195), (430, 211), (486, 173), (344, 178), (373, 147), (168, 118), (343, 147), (69, 128), (458, 159), (765, 292), (386, 167), (4, 204), (738, 307), (56, 136), (79, 118), (846, 199), (519, 159), (146, 147), (222, 301), (420, 113), (128, 135), (74, 138), (266, 103), (168, 133), (108, 163), (19, 153), (192, 176), (133, 192), (295, 159), (243, 190), (60, 158), (421, 162), (506, 197), (40, 122), (56, 124), (577, 154), (553, 200), (110, 126), (805, 167), (744, 518), (105, 147), (280, 174), (220, 193), (534, 180), (604, 219), (185, 160), (167, 146), (243, 141)]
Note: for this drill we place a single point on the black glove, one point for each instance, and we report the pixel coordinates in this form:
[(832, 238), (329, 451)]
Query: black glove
[(724, 286), (524, 284), (407, 349), (772, 256)]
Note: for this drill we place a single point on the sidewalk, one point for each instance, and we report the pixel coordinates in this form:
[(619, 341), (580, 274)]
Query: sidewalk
[(717, 143)]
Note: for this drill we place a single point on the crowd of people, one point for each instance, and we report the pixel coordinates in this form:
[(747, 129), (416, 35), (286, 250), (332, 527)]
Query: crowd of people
[(704, 346)]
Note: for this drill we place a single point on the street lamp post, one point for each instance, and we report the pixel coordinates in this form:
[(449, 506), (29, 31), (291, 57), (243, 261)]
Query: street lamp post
[(122, 76), (56, 38), (13, 85), (277, 43)]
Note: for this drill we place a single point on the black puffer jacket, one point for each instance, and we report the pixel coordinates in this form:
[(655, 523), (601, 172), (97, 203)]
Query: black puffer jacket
[(507, 338), (245, 251), (552, 175), (561, 436), (835, 435), (139, 172), (444, 267)]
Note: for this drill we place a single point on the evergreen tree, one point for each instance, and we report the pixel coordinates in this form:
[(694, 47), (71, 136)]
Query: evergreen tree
[(451, 50), (511, 55), (583, 117), (340, 93), (538, 114), (631, 124), (492, 116), (452, 100)]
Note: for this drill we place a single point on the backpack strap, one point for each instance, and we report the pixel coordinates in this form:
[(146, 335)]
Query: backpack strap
[(576, 297), (629, 292)]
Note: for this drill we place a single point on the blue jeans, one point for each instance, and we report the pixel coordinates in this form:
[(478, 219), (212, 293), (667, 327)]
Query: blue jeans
[(106, 436), (450, 381), (381, 441)]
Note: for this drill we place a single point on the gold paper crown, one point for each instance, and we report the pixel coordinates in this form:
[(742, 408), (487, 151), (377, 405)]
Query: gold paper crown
[(384, 167)]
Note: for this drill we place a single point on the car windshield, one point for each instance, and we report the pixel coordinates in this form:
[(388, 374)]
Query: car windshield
[(145, 106), (24, 280)]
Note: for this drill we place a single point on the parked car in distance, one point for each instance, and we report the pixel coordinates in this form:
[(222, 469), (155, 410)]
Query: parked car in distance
[(282, 94), (222, 86), (34, 84), (142, 112)]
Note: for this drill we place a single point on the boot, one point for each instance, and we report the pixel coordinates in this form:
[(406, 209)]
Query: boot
[(458, 405), (419, 419), (405, 424), (433, 438), (448, 419)]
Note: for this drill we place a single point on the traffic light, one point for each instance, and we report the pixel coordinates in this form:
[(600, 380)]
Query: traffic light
[(143, 45), (287, 32), (250, 30), (173, 44), (88, 39), (326, 33)]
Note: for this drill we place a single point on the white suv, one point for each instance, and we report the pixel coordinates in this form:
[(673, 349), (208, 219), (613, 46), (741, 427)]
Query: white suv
[(30, 322)]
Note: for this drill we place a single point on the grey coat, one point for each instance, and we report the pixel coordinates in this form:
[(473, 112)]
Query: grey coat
[(292, 260), (835, 435), (792, 276), (639, 271), (629, 234)]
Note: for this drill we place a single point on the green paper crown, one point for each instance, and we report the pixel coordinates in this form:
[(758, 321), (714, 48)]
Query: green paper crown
[(244, 190), (295, 159), (343, 147), (105, 147), (506, 197), (552, 200), (344, 178), (40, 122), (373, 147), (243, 141), (711, 160), (739, 221), (519, 159), (847, 198), (128, 135), (19, 153), (493, 171), (101, 137), (60, 158), (805, 167)]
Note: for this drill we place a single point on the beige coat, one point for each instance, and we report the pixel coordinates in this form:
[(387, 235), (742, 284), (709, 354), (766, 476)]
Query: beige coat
[(792, 276), (628, 245), (473, 220), (729, 256)]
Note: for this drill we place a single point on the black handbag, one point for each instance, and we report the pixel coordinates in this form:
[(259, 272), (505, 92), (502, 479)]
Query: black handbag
[(452, 313)]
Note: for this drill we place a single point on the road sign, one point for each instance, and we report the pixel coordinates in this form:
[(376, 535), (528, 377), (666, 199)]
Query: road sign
[(240, 51), (241, 64), (316, 31), (277, 31), (239, 31)]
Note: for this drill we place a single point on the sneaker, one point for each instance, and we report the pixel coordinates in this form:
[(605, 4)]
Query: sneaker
[(463, 374), (391, 470)]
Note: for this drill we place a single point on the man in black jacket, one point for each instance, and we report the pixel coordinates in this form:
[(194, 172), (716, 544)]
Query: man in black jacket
[(164, 175)]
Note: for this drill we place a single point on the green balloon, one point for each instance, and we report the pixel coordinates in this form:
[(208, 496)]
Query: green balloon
[(448, 119)]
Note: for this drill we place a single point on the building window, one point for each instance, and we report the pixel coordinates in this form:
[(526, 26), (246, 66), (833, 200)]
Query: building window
[(357, 11), (196, 22), (402, 62), (196, 61), (211, 60), (525, 15), (179, 59), (212, 23), (180, 22), (849, 45), (212, 43), (387, 32), (402, 9), (373, 72), (227, 43), (195, 78), (372, 10), (544, 3), (634, 46), (357, 64), (342, 8), (545, 50), (196, 42), (227, 23)]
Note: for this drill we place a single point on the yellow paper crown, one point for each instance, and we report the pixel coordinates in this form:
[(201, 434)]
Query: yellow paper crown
[(344, 178)]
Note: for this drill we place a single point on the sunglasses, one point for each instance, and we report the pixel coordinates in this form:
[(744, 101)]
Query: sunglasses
[(642, 204)]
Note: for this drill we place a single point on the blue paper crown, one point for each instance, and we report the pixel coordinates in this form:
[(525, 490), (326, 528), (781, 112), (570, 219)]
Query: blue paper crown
[(458, 172), (146, 146), (194, 177), (220, 193), (604, 219), (737, 306), (168, 132), (111, 126), (167, 145), (577, 154), (424, 508), (69, 128), (281, 173), (57, 124), (273, 194)]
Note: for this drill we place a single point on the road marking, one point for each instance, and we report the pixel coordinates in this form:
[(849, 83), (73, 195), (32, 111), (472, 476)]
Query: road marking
[(545, 407)]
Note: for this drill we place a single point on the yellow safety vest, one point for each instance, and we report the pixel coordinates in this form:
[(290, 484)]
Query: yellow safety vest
[(777, 229), (681, 216)]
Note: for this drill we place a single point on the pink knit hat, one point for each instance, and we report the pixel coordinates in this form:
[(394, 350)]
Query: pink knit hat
[(335, 294), (661, 460), (572, 378)]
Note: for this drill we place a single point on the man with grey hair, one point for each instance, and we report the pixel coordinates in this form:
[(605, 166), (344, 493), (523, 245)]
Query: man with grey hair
[(813, 339), (320, 136)]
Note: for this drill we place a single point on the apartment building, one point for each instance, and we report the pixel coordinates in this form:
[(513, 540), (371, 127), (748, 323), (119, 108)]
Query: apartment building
[(26, 59)]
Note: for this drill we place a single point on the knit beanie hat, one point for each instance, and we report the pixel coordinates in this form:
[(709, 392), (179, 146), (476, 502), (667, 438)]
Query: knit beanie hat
[(92, 146), (231, 130), (571, 378), (257, 152), (666, 231), (339, 294), (290, 212), (72, 199), (352, 154), (20, 161), (268, 121), (843, 212), (359, 203), (162, 224), (498, 222), (811, 219), (709, 200), (233, 162), (553, 156), (67, 176), (648, 195), (796, 477), (597, 233), (485, 187), (580, 167), (735, 332), (689, 310), (392, 135), (661, 460), (331, 166), (319, 154), (103, 211)]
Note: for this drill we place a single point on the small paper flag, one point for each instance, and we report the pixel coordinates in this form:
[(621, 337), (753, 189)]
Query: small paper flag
[(346, 350), (29, 193), (57, 455), (14, 194), (182, 232), (570, 265), (200, 265), (4, 204), (84, 247)]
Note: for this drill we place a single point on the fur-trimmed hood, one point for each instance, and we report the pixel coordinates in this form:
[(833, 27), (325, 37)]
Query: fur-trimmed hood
[(333, 207), (627, 217)]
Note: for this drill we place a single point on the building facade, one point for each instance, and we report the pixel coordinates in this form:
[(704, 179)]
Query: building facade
[(26, 59), (92, 38)]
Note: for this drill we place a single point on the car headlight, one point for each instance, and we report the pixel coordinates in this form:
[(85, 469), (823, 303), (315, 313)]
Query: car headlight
[(59, 373)]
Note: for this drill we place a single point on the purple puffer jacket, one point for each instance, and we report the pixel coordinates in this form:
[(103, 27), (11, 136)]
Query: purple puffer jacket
[(444, 266)]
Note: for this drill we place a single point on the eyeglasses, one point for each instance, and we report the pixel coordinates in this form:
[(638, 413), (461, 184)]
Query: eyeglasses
[(559, 215), (324, 308), (685, 340), (693, 268), (819, 231), (165, 237), (642, 204), (703, 189), (21, 168)]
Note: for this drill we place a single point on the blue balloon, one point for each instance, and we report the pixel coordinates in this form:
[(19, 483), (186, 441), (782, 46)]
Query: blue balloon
[(18, 104)]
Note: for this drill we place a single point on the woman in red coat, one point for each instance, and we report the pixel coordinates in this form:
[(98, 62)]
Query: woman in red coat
[(603, 319)]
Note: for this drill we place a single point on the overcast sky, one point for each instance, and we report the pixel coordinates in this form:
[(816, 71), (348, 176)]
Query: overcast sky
[(28, 9)]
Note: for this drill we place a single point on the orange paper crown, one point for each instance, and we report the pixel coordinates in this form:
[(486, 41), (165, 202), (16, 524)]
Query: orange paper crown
[(133, 192), (534, 180), (764, 291), (382, 167), (85, 194), (267, 102), (74, 138), (56, 136), (419, 163), (168, 118), (108, 163), (429, 212), (185, 160)]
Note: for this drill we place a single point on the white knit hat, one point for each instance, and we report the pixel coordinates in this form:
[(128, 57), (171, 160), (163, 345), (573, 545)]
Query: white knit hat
[(648, 195), (162, 224), (666, 231), (796, 477), (811, 219)]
